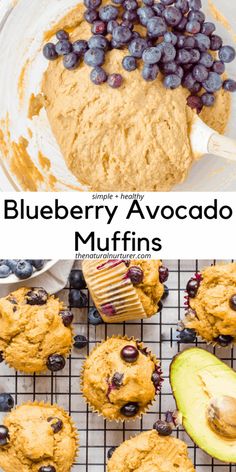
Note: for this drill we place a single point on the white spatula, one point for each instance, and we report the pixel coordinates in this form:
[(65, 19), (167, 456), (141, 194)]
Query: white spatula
[(205, 140)]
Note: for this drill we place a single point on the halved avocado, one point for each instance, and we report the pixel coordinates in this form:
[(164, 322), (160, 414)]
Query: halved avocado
[(205, 393)]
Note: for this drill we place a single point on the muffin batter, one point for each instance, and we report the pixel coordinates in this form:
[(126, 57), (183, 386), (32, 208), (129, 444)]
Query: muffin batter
[(31, 333), (39, 435), (132, 138), (150, 452), (212, 313), (109, 382)]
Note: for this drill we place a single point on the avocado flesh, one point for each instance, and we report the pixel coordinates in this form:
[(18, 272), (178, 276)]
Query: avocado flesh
[(196, 377)]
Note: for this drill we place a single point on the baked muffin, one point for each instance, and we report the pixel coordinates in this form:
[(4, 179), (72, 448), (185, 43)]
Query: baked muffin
[(120, 378), (37, 437), (211, 301), (150, 452), (125, 290), (35, 330)]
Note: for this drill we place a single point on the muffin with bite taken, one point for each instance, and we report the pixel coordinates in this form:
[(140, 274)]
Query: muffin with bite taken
[(125, 290)]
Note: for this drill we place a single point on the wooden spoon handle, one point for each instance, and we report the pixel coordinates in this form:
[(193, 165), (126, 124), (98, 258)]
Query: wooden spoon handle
[(222, 146)]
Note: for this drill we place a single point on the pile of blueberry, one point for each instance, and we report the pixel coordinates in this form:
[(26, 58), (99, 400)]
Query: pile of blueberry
[(177, 41), (23, 269)]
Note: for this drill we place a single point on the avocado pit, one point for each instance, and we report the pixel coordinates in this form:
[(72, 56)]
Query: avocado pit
[(221, 415)]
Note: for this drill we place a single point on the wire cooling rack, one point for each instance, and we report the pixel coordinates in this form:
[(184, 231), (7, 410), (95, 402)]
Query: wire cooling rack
[(159, 333)]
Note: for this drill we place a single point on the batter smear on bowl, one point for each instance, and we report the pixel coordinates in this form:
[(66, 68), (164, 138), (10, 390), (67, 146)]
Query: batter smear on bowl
[(122, 89)]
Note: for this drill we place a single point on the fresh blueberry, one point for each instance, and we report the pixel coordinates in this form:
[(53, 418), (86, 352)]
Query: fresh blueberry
[(80, 341), (6, 402), (208, 28), (193, 27), (215, 42), (206, 59), (172, 81), (90, 16), (183, 56), (171, 38), (80, 47), (108, 13), (111, 25), (94, 317), (187, 336), (156, 27), (224, 340), (98, 75), (227, 54), (167, 2), (130, 16), (38, 264), (129, 63), (163, 428), (37, 296), (130, 5), (136, 35), (195, 56), (110, 452), (92, 4), (208, 99), (129, 354), (229, 85), (188, 81), (49, 51), (189, 42), (150, 72), (71, 61), (195, 4), (195, 103), (63, 47), (200, 73), (192, 287), (168, 53), (128, 24), (195, 15), (130, 409), (122, 34), (145, 14), (203, 42), (77, 299), (180, 41), (182, 24), (182, 5), (172, 15), (98, 41), (137, 46), (166, 292), (94, 57), (158, 8), (62, 34), (47, 468), (76, 279), (149, 3), (115, 80), (67, 317), (5, 271), (4, 435), (56, 362), (180, 72), (99, 27), (213, 83), (196, 88), (169, 68), (23, 269), (163, 274), (116, 45), (218, 67), (151, 56)]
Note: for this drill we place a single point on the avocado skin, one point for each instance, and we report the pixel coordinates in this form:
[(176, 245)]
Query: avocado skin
[(196, 361)]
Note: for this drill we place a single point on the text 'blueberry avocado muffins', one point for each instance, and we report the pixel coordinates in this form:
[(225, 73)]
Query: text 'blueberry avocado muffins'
[(125, 290), (120, 378), (211, 304), (150, 452), (35, 331), (38, 437)]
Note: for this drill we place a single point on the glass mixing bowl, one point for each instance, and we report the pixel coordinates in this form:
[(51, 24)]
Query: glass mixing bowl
[(22, 27)]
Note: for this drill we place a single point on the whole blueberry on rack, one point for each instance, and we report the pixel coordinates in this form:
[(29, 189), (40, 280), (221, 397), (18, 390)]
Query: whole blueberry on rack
[(187, 336), (99, 27), (77, 280), (111, 451), (98, 75), (166, 292), (108, 13), (192, 287), (129, 63), (49, 52), (80, 47), (77, 299), (71, 61), (229, 85), (94, 317), (63, 47), (23, 270), (144, 14), (150, 72), (137, 46), (115, 80), (80, 341), (94, 57), (213, 83), (62, 34), (5, 271), (4, 435), (227, 54), (163, 428), (208, 99), (67, 317), (224, 340), (163, 274), (156, 27), (56, 362), (130, 409), (98, 41), (90, 16), (6, 402)]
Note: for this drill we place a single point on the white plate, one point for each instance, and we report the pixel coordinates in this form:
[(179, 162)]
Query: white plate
[(22, 26), (12, 279)]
